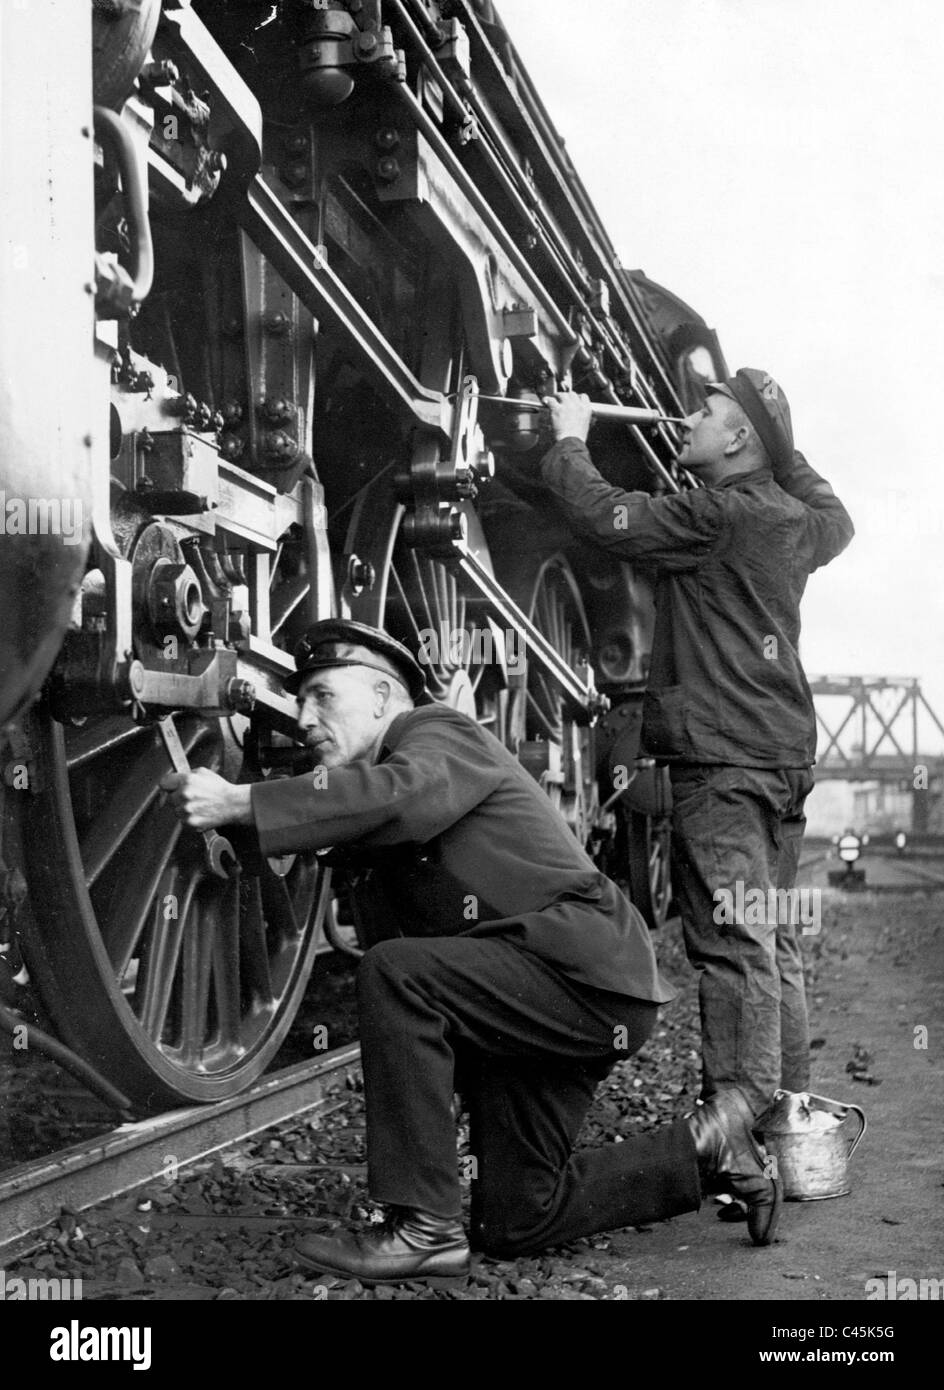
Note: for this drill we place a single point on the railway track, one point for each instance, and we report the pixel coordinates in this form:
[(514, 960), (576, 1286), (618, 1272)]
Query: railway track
[(924, 876), (83, 1174), (80, 1176), (809, 861), (884, 872)]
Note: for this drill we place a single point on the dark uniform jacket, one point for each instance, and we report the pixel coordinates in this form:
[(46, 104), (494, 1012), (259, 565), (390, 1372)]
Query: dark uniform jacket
[(731, 563), (463, 840)]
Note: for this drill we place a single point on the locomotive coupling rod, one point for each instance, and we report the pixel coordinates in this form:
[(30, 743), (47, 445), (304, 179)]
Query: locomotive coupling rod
[(615, 414), (218, 849)]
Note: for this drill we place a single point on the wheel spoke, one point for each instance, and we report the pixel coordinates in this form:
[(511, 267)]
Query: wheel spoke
[(135, 793), (453, 591), (550, 703), (158, 967), (543, 619), (395, 573), (549, 729), (224, 916), (253, 948), (278, 906), (196, 960), (565, 634), (422, 591), (124, 910), (439, 588), (559, 639), (99, 736)]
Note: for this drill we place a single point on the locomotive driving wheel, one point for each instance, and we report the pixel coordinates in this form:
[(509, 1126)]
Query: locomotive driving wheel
[(179, 986), (648, 859), (418, 599), (558, 750)]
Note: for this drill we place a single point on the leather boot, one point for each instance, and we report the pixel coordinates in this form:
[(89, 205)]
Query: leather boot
[(411, 1245), (730, 1160)]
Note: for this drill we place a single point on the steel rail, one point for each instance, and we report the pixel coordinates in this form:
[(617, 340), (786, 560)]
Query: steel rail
[(924, 876), (33, 1194)]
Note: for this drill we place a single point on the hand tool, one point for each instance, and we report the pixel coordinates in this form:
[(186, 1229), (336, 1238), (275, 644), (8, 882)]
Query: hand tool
[(615, 414), (218, 849)]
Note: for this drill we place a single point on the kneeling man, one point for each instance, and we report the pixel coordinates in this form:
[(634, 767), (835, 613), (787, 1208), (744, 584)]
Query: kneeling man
[(514, 971)]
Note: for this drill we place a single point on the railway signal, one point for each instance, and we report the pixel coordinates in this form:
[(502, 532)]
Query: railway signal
[(848, 849)]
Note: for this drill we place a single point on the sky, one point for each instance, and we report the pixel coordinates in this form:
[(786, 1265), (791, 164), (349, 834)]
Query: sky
[(779, 164)]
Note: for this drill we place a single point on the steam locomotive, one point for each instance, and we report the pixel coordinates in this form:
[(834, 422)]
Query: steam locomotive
[(283, 286)]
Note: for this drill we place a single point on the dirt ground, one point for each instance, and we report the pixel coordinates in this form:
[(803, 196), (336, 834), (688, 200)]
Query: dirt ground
[(878, 976), (225, 1230)]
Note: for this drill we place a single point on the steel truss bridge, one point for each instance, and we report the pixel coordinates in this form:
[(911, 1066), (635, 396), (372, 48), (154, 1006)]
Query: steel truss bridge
[(875, 735)]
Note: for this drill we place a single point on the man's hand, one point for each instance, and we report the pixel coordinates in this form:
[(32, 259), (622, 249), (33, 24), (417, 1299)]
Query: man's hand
[(203, 800), (570, 414)]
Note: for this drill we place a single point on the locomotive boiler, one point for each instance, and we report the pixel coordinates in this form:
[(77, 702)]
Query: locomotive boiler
[(282, 285)]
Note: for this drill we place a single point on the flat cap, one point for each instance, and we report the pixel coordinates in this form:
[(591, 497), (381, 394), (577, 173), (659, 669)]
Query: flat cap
[(343, 642), (767, 408)]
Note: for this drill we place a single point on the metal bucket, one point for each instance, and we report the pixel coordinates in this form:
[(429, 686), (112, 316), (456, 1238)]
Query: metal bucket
[(813, 1162)]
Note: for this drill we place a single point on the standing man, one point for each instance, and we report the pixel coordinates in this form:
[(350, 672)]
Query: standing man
[(728, 707), (513, 969)]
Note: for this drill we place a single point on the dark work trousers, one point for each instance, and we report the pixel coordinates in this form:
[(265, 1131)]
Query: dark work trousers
[(527, 1047), (744, 826)]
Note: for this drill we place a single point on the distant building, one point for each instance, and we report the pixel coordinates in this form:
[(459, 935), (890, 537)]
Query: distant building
[(829, 808), (876, 808), (880, 808)]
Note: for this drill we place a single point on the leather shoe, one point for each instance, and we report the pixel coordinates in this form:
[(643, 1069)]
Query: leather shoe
[(412, 1245), (730, 1160)]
